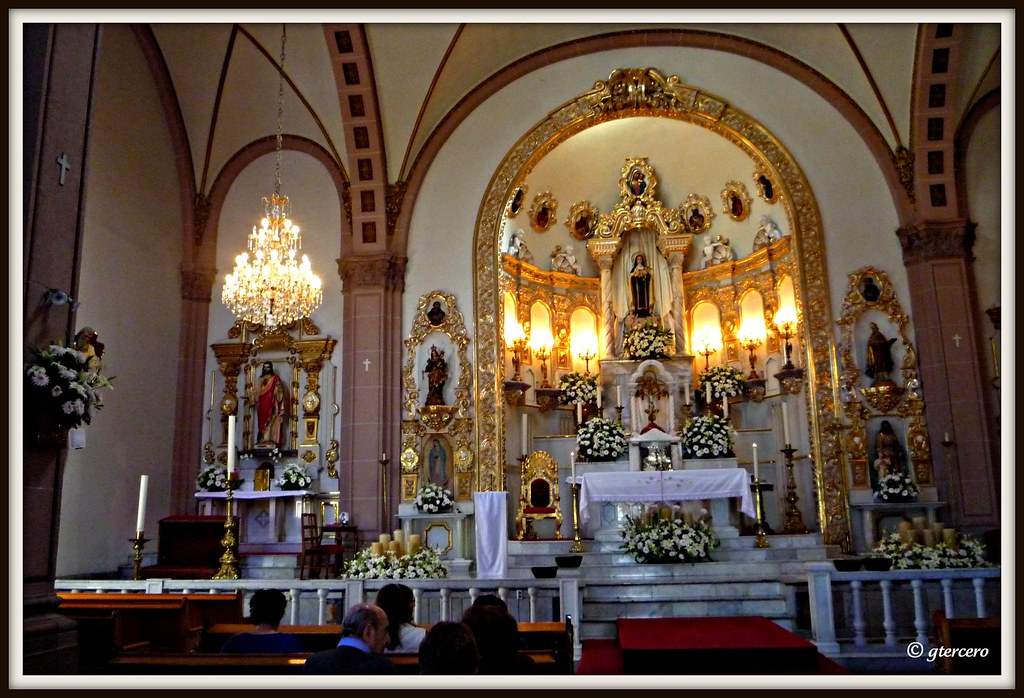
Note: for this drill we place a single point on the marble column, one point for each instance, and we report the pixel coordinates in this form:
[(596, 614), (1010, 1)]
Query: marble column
[(675, 262), (60, 66), (937, 256), (607, 349)]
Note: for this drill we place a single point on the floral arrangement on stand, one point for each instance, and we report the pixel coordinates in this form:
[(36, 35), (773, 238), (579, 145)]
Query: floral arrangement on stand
[(647, 341), (434, 499), (423, 564), (600, 439), (212, 479), (578, 388), (725, 381), (707, 436), (294, 477), (63, 388), (913, 556), (674, 539), (896, 487)]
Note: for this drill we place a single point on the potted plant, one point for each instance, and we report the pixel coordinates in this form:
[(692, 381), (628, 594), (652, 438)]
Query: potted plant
[(434, 499), (896, 487), (658, 540), (212, 479), (579, 389), (294, 477), (647, 341), (61, 391), (725, 381), (708, 436), (600, 439)]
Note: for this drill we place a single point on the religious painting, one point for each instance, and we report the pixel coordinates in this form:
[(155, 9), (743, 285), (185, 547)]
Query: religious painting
[(736, 201), (515, 203), (582, 220), (637, 180), (869, 289), (696, 214), (543, 212), (765, 187), (437, 460), (436, 314)]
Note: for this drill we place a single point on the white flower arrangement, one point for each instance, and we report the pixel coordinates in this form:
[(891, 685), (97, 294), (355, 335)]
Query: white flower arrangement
[(724, 381), (433, 499), (647, 341), (213, 479), (423, 564), (62, 386), (600, 439), (708, 436), (896, 487), (578, 388), (913, 556), (294, 477), (668, 540)]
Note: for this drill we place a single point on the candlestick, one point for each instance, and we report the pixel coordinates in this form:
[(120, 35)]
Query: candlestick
[(760, 539), (140, 522), (577, 543), (213, 389), (785, 425), (794, 522), (755, 462), (572, 464), (229, 559), (231, 445), (525, 447)]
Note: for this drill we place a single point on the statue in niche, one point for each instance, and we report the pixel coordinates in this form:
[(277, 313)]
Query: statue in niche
[(888, 451), (767, 233), (436, 314), (879, 356), (271, 407), (637, 183), (437, 375), (517, 247), (716, 250), (563, 260), (642, 303)]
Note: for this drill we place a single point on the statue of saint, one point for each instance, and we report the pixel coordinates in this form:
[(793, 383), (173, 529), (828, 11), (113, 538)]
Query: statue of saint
[(767, 233), (87, 341), (271, 407), (517, 247), (437, 464), (563, 260), (879, 356), (888, 452), (640, 287), (437, 375)]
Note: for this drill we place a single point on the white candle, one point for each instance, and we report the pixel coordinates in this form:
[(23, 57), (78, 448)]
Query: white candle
[(231, 445), (686, 394), (383, 455), (140, 522), (524, 446), (598, 398), (945, 437), (618, 396), (785, 424), (213, 387), (725, 406), (707, 391), (755, 462), (572, 465), (579, 413)]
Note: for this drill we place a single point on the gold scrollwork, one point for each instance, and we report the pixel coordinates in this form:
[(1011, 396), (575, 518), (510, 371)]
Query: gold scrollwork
[(543, 212), (696, 213), (582, 220), (736, 201)]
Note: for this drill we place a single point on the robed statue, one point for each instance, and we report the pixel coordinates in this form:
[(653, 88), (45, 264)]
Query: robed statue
[(888, 451), (437, 375), (271, 407), (879, 356), (641, 298)]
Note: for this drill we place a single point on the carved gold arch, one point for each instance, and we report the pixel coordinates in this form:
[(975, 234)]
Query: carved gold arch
[(635, 92)]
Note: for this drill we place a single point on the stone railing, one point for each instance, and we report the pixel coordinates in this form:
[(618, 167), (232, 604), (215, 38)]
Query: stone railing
[(883, 611), (322, 601)]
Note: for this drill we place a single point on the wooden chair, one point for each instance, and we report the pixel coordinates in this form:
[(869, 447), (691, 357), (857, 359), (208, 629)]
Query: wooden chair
[(539, 497), (315, 555)]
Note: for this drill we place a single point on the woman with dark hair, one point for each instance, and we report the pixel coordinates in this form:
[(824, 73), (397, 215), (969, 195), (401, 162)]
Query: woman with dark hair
[(497, 639), (449, 648), (397, 601)]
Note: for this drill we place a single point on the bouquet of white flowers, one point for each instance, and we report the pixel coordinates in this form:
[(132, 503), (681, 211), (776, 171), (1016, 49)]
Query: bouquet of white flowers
[(600, 439), (907, 556), (294, 477), (668, 540), (578, 388), (896, 487), (724, 381), (647, 341), (213, 479), (62, 387), (423, 564), (434, 499), (708, 436)]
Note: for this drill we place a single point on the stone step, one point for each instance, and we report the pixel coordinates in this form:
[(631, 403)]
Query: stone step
[(606, 630), (769, 608), (700, 591), (553, 547), (752, 554)]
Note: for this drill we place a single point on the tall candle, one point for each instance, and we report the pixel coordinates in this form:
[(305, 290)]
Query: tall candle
[(579, 413), (213, 390), (231, 445), (756, 476), (383, 455), (945, 437), (572, 465), (375, 548), (725, 406), (618, 396), (398, 535), (599, 398), (686, 394), (525, 447), (140, 522), (785, 425), (707, 391)]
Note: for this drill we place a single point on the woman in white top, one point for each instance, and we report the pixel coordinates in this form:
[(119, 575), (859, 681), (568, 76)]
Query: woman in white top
[(398, 603)]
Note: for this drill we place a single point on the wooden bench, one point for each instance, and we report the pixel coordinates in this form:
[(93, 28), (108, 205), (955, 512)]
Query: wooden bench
[(968, 634)]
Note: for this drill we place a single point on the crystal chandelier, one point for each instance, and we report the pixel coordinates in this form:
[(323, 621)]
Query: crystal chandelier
[(269, 286)]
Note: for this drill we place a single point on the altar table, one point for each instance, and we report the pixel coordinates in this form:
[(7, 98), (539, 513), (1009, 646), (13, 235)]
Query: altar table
[(666, 486)]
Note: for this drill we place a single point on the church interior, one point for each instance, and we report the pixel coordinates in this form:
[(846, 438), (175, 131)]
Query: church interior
[(683, 339)]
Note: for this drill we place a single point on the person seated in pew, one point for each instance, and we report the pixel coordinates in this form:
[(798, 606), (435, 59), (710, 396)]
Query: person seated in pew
[(398, 603), (490, 600), (266, 608), (364, 633), (449, 648), (497, 638)]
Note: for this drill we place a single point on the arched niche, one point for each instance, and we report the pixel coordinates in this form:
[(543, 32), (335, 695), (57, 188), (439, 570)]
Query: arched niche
[(582, 336), (752, 327), (785, 290), (706, 331)]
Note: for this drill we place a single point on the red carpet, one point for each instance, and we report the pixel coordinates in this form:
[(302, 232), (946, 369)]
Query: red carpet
[(736, 645)]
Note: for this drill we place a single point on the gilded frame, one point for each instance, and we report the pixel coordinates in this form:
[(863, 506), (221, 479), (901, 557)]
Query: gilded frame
[(759, 187), (543, 200), (702, 204), (739, 190), (578, 211), (615, 98)]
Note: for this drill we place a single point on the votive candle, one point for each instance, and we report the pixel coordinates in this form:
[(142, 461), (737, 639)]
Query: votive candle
[(231, 445), (140, 521)]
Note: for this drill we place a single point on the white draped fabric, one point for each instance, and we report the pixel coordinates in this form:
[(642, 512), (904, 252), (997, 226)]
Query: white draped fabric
[(666, 486), (491, 516)]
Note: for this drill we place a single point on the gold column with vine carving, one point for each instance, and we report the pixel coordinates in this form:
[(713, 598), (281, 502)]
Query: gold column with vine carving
[(230, 358)]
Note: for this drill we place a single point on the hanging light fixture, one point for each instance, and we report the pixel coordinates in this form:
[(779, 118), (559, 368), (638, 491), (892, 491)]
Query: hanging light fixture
[(269, 285)]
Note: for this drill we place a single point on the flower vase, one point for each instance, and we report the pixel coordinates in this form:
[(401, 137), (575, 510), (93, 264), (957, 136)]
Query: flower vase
[(43, 431)]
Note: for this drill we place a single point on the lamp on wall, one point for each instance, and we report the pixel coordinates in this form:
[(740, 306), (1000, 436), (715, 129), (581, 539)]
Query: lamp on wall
[(709, 339), (752, 335), (541, 343), (584, 346), (515, 340), (269, 286), (790, 377)]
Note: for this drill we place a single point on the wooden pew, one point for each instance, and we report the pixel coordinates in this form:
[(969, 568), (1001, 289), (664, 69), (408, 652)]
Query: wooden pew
[(964, 634)]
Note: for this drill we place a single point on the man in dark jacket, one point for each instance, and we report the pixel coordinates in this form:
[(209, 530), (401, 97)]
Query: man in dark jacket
[(364, 634)]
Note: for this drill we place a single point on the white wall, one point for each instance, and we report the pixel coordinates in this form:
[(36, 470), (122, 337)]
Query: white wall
[(982, 164), (130, 293)]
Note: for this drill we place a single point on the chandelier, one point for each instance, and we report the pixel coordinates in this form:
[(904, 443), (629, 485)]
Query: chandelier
[(269, 285)]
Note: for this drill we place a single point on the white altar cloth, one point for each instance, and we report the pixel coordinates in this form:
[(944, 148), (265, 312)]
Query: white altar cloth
[(666, 486)]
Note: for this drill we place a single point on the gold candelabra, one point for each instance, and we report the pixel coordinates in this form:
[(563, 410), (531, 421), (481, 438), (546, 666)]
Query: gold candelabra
[(385, 518), (794, 519), (751, 344), (586, 356), (707, 352), (138, 543), (577, 543), (518, 346), (786, 331), (229, 559), (542, 353), (761, 540)]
